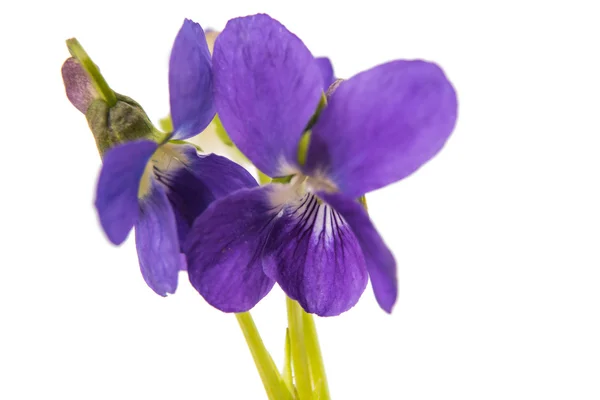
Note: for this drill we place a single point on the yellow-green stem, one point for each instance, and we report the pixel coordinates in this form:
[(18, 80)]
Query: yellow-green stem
[(315, 359), (287, 364), (272, 381), (299, 355)]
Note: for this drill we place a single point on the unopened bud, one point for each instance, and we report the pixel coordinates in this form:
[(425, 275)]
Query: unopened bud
[(78, 85), (113, 118), (123, 122)]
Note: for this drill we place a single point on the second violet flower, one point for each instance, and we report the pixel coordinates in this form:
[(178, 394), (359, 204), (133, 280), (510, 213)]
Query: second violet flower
[(306, 230), (159, 184)]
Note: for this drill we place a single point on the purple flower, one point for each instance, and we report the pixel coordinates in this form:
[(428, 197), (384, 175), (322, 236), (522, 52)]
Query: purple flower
[(306, 231), (161, 187)]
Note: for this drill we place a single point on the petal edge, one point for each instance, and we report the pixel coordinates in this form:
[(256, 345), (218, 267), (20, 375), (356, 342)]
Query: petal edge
[(380, 260), (190, 82), (118, 185), (224, 250), (381, 125)]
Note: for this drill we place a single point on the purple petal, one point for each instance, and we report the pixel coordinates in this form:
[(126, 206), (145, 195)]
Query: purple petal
[(118, 185), (193, 181), (382, 125), (315, 258), (78, 85), (267, 86), (224, 247), (157, 243), (326, 68), (221, 175), (380, 261), (190, 82)]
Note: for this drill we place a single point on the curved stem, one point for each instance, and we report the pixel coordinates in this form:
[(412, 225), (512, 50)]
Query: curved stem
[(299, 356), (286, 374), (272, 381), (315, 359)]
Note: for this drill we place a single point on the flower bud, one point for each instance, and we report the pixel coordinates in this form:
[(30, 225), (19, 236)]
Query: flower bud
[(113, 118), (123, 122), (78, 85)]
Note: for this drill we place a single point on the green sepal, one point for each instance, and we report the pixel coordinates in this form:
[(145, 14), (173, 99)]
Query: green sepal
[(315, 117), (363, 201), (305, 138), (221, 132), (282, 179), (166, 124), (263, 178), (123, 122), (303, 147), (198, 148)]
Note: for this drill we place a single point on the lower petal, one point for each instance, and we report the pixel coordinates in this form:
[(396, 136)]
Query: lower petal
[(315, 258), (380, 260), (118, 186), (224, 248), (157, 242)]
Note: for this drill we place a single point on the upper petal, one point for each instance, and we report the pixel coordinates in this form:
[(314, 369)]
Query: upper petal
[(380, 260), (315, 258), (326, 68), (192, 181), (267, 86), (118, 185), (224, 247), (157, 243), (382, 125), (190, 82), (221, 175)]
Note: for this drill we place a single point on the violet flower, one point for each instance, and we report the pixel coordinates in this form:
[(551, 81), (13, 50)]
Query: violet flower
[(306, 230), (160, 187)]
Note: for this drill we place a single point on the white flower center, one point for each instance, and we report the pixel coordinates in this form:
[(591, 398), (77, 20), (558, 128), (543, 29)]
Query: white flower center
[(299, 185)]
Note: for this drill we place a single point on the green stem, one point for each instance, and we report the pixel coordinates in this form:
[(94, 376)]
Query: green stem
[(299, 356), (98, 80), (272, 381), (315, 359), (287, 363)]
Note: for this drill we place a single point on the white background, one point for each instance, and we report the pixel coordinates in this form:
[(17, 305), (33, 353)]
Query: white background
[(497, 239)]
